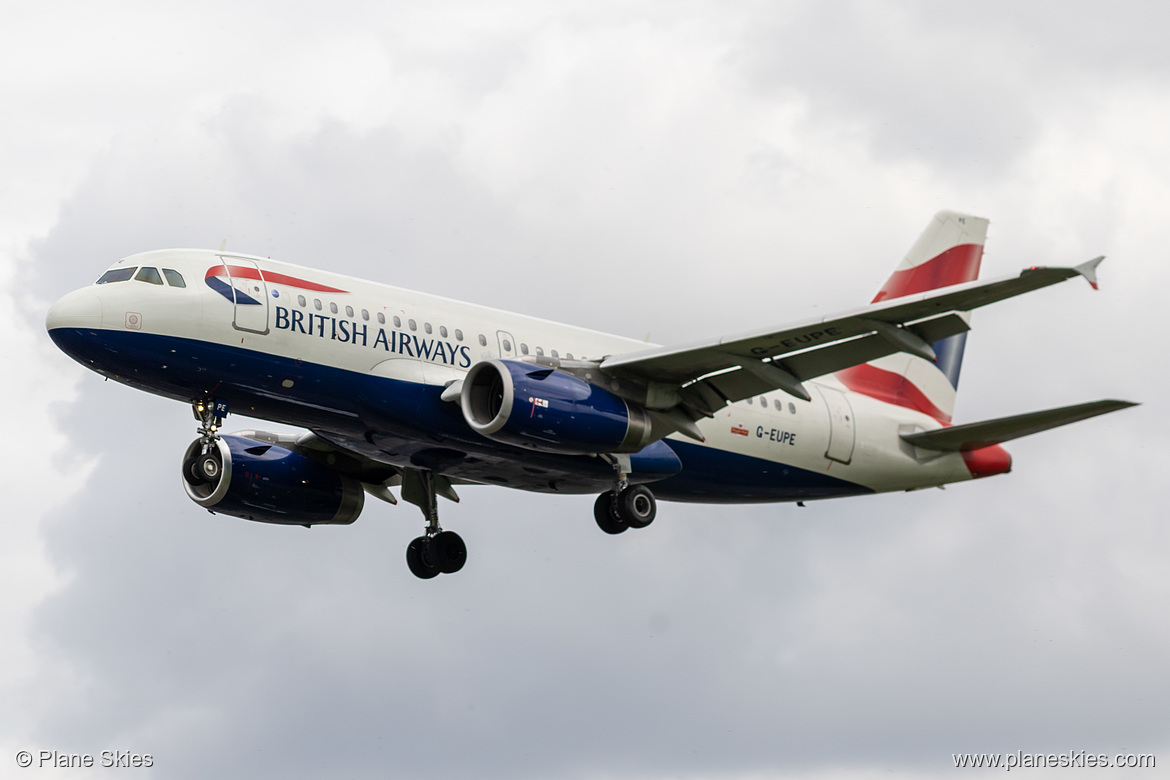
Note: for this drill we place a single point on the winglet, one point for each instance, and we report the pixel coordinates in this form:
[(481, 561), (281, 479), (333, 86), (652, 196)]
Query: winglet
[(1089, 270)]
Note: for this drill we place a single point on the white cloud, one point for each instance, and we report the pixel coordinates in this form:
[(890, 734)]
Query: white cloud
[(40, 475), (685, 170)]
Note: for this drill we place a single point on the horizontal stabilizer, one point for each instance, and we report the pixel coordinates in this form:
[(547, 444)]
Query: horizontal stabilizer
[(974, 436)]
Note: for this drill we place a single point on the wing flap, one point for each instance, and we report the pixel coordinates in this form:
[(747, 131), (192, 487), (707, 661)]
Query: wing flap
[(974, 436)]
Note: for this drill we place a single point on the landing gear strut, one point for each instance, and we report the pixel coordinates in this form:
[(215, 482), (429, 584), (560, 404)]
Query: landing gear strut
[(436, 551), (626, 506), (206, 466)]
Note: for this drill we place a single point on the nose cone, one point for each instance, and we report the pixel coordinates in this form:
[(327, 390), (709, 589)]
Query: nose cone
[(79, 309)]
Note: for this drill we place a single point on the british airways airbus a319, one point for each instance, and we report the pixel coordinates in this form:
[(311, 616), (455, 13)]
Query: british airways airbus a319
[(400, 389)]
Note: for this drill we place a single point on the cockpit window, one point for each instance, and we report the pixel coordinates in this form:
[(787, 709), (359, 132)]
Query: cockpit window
[(174, 278), (148, 274), (116, 275)]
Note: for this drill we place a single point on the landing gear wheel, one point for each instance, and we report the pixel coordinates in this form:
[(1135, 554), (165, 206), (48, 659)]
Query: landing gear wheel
[(607, 520), (449, 551), (436, 551), (207, 467), (636, 506), (419, 559), (191, 471)]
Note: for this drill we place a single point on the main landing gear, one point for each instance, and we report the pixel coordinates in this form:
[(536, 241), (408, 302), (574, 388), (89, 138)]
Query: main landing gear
[(626, 506), (436, 551), (632, 507)]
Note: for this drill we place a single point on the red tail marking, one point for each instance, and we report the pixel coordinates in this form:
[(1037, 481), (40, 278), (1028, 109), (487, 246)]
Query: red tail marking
[(891, 388), (954, 266)]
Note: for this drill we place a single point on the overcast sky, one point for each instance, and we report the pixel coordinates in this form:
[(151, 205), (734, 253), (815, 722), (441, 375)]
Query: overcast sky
[(670, 170)]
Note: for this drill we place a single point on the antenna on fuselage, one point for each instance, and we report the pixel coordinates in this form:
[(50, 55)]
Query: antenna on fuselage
[(222, 244)]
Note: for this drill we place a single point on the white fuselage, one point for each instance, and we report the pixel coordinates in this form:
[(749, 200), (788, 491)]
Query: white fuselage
[(305, 317)]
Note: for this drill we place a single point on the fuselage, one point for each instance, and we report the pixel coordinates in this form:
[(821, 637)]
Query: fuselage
[(364, 364)]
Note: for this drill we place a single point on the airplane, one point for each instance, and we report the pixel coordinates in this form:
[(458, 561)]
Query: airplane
[(402, 389)]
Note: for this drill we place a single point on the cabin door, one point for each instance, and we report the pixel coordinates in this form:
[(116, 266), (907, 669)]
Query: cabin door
[(842, 435), (250, 293)]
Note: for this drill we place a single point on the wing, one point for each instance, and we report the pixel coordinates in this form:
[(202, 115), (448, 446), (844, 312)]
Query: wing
[(701, 378), (375, 476)]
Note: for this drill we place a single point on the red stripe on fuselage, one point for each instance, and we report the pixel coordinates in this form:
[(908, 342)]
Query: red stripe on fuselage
[(244, 272), (956, 265), (891, 388)]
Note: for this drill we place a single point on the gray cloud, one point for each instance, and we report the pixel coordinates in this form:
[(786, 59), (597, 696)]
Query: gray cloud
[(966, 91)]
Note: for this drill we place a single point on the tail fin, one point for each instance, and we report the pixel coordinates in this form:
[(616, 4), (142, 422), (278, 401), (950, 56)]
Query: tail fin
[(948, 252)]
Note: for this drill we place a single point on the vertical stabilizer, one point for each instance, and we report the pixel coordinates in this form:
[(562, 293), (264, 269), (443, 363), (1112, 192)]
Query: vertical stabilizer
[(948, 252)]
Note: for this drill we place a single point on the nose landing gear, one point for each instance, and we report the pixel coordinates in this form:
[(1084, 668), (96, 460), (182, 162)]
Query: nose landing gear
[(206, 465)]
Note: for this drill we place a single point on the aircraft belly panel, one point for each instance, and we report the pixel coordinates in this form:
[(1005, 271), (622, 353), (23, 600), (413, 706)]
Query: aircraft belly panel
[(407, 425)]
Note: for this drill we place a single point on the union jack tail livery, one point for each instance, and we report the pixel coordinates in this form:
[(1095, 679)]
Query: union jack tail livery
[(948, 252)]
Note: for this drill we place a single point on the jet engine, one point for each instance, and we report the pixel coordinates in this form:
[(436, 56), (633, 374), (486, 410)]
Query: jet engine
[(269, 484), (549, 410)]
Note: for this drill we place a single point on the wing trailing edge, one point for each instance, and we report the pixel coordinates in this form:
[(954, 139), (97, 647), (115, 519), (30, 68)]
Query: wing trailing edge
[(713, 373)]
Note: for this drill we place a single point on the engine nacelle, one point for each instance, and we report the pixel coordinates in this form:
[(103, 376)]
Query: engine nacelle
[(269, 484), (549, 410)]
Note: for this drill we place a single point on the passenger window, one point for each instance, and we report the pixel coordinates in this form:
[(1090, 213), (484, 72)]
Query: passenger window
[(365, 315), (317, 304), (413, 325), (149, 275), (763, 402), (332, 307), (792, 408), (779, 406), (427, 327), (348, 311), (482, 340), (568, 356), (524, 349), (507, 345), (458, 335), (174, 278), (554, 354), (443, 331), (397, 321), (381, 318), (117, 275), (749, 401), (540, 352)]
